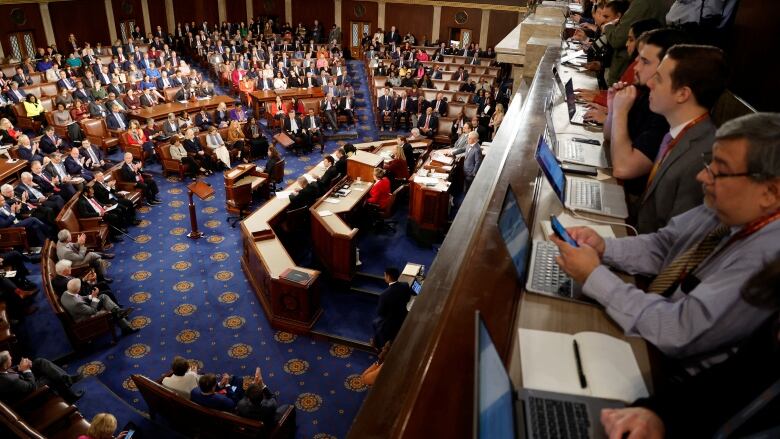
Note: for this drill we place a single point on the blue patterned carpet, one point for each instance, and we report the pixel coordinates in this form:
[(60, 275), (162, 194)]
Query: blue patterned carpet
[(192, 299)]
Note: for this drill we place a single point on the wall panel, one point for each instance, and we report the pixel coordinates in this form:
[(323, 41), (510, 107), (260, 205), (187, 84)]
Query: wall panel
[(197, 11), (269, 8), (157, 15), (501, 23), (306, 11), (84, 18), (473, 21), (236, 11), (416, 19), (21, 18), (127, 10)]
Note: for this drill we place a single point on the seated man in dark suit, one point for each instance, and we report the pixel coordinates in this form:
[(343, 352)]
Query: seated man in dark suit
[(305, 196), (18, 382), (260, 403), (94, 158), (28, 149), (293, 127), (50, 142), (37, 231), (89, 281), (439, 105), (391, 310), (115, 120), (22, 78), (89, 207), (48, 184), (36, 196), (208, 393), (428, 124), (107, 195), (15, 93), (74, 165), (313, 130), (132, 172), (341, 161), (56, 168), (330, 176)]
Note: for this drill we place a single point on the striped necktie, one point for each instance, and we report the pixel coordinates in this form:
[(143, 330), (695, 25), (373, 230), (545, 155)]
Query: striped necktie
[(688, 261)]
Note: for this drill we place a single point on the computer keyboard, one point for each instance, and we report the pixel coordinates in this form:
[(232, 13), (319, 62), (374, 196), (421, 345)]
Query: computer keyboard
[(585, 194), (552, 418), (573, 151), (548, 276), (579, 115)]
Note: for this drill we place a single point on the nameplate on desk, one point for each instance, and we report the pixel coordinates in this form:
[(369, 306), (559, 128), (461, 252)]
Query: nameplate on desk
[(262, 235), (297, 276)]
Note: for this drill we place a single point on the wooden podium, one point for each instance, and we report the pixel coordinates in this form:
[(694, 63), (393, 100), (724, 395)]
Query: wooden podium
[(203, 190)]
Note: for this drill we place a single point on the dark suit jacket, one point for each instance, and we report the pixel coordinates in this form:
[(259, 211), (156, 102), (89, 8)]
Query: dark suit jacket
[(288, 125), (47, 145), (14, 386), (66, 83), (674, 189), (305, 197), (113, 123), (329, 177), (391, 312), (43, 185), (341, 166), (13, 97), (81, 94), (433, 125), (102, 194), (385, 103), (117, 89), (85, 208), (442, 107), (146, 101)]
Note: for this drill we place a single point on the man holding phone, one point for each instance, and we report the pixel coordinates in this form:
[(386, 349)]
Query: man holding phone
[(222, 394)]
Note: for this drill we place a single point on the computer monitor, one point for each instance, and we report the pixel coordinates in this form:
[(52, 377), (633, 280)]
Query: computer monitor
[(514, 231), (550, 167), (416, 287), (559, 81), (494, 409)]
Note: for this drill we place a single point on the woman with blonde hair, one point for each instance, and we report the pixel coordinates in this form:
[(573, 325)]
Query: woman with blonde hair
[(179, 154), (194, 149), (496, 119), (8, 134), (235, 135), (398, 168), (216, 144), (102, 426), (221, 115)]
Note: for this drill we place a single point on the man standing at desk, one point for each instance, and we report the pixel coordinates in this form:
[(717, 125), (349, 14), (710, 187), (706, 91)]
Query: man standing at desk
[(693, 310), (473, 159), (391, 311)]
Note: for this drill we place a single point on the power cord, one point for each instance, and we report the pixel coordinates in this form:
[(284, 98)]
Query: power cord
[(611, 223)]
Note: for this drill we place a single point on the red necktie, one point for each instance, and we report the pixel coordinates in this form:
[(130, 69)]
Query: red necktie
[(97, 206), (428, 119)]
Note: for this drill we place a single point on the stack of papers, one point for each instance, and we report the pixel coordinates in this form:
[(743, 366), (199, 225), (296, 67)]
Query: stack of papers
[(325, 213), (332, 200), (309, 178), (428, 181), (283, 194)]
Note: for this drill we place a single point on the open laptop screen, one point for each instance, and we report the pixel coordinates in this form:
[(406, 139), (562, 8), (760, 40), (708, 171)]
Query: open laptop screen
[(571, 100), (495, 413), (550, 167), (514, 230), (559, 81), (416, 287)]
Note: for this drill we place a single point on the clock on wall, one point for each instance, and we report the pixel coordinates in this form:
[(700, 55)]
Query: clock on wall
[(461, 17), (18, 17)]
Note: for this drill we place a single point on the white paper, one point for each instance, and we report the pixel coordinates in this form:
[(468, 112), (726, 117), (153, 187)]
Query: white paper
[(325, 213), (309, 178), (569, 221), (283, 194), (608, 363), (411, 270), (332, 200), (359, 189), (111, 207), (10, 273)]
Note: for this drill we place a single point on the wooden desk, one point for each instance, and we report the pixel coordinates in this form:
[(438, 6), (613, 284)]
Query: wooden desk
[(11, 171), (332, 236), (473, 271), (161, 111), (260, 97), (288, 305), (361, 165), (429, 197), (246, 173)]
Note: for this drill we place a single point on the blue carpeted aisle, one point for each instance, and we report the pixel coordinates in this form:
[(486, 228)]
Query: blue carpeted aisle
[(192, 299)]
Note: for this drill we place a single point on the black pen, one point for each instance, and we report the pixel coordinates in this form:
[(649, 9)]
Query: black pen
[(583, 380)]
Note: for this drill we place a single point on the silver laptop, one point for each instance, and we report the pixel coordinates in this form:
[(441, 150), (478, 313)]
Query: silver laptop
[(572, 151), (581, 194), (544, 275), (576, 111), (502, 411)]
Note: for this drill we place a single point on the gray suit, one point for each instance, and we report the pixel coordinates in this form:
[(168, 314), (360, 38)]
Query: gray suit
[(674, 189), (80, 257), (80, 308), (460, 145)]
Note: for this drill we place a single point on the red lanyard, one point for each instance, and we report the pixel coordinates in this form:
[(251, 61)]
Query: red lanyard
[(670, 147), (753, 227)]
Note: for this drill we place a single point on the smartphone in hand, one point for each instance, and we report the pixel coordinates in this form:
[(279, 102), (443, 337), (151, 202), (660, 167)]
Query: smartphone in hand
[(561, 232)]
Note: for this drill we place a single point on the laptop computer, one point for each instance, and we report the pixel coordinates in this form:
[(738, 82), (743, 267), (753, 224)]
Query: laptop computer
[(581, 194), (572, 151), (502, 412), (544, 275)]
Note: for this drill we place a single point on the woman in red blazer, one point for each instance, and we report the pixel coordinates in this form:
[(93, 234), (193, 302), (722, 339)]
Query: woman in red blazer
[(380, 191), (398, 167)]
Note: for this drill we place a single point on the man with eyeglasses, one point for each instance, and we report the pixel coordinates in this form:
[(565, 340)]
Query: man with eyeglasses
[(693, 310), (684, 88)]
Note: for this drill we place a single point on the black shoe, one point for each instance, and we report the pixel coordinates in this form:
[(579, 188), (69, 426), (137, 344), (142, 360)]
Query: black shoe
[(105, 255), (128, 331), (122, 313), (75, 378), (108, 280)]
